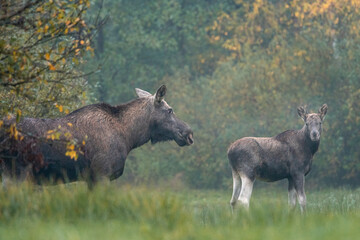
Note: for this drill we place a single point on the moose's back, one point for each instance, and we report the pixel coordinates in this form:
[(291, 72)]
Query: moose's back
[(42, 150)]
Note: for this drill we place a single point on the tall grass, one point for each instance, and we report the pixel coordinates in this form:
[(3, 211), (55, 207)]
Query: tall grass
[(111, 212)]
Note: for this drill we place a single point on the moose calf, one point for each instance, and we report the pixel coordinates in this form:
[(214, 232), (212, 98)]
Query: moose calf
[(287, 155)]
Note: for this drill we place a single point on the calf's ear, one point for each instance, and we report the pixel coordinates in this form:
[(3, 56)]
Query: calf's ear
[(160, 94), (302, 112), (141, 93), (322, 111)]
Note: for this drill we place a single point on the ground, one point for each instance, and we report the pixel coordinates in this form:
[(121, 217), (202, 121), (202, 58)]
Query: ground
[(128, 212)]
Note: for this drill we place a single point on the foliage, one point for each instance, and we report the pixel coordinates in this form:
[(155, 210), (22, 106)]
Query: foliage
[(147, 40), (279, 55), (302, 52), (233, 69), (41, 44)]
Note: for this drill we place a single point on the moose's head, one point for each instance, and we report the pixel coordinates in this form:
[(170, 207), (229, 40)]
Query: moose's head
[(313, 121), (164, 125)]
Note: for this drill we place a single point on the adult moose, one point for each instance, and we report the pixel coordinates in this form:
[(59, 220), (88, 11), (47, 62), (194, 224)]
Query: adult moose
[(287, 155), (109, 132)]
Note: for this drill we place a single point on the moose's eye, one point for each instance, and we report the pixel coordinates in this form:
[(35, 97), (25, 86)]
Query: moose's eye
[(170, 111)]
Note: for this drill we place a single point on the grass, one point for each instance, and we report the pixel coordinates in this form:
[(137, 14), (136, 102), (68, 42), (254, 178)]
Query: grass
[(111, 212)]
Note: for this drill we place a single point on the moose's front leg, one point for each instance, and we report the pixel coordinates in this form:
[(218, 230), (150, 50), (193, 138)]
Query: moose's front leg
[(291, 194), (105, 167), (299, 183)]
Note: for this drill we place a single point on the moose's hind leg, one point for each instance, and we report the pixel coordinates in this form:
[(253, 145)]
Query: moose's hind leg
[(236, 189), (246, 190)]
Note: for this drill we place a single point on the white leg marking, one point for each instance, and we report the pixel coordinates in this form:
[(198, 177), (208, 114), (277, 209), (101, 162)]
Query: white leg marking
[(292, 197), (302, 202), (246, 190), (291, 193), (236, 189), (299, 186), (6, 181)]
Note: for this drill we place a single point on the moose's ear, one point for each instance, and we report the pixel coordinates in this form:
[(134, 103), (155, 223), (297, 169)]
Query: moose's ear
[(322, 111), (302, 112), (142, 93), (160, 94)]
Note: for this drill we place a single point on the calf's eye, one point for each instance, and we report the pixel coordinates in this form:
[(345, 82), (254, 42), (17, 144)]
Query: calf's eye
[(170, 111)]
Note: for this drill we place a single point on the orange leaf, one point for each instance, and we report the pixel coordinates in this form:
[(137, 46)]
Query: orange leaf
[(51, 67)]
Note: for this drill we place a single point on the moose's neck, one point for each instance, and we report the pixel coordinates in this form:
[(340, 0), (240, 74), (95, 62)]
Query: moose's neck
[(308, 145), (134, 118)]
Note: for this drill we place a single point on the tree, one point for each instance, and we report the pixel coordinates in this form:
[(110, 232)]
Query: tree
[(41, 46), (147, 40), (277, 55)]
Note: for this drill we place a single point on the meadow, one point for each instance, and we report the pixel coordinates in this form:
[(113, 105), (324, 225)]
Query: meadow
[(128, 212)]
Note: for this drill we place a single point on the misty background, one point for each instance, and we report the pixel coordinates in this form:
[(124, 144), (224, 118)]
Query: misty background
[(233, 68)]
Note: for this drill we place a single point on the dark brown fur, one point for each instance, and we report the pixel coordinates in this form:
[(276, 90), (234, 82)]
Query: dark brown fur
[(109, 132)]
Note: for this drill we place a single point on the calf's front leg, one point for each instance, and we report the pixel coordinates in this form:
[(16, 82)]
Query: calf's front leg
[(299, 183), (291, 194)]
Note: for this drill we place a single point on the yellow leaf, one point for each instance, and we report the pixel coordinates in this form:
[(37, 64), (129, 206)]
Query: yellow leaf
[(51, 67), (60, 108), (71, 154), (69, 124), (2, 122), (47, 56)]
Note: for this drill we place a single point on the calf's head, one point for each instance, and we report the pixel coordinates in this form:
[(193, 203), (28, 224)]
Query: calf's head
[(164, 125), (313, 121)]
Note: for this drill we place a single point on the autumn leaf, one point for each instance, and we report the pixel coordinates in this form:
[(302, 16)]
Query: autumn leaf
[(51, 67), (72, 155)]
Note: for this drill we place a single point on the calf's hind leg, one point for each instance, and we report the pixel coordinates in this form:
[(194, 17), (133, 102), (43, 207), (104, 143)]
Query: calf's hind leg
[(236, 189), (246, 190)]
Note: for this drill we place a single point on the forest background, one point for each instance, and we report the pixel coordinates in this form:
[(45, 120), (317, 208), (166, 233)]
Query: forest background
[(233, 68)]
